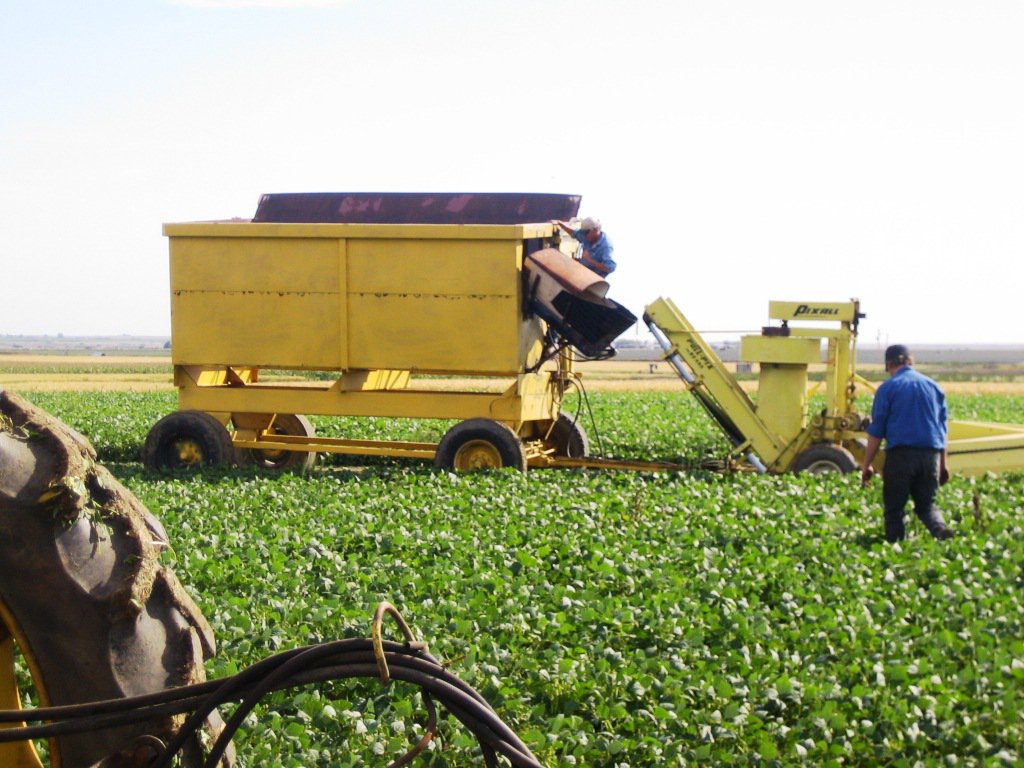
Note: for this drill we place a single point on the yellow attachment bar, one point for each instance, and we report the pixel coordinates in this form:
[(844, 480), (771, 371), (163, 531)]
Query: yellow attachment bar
[(715, 385), (979, 447), (545, 461), (392, 448)]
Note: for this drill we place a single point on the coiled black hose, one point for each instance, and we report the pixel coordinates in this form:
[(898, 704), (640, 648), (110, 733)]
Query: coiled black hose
[(340, 659)]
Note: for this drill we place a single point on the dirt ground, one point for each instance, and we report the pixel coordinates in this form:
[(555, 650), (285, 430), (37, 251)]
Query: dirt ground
[(91, 373)]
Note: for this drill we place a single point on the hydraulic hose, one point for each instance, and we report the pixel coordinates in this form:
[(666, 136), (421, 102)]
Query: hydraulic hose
[(341, 659)]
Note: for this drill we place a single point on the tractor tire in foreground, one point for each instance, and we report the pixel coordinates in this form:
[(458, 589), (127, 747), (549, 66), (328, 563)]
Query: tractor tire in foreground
[(82, 594)]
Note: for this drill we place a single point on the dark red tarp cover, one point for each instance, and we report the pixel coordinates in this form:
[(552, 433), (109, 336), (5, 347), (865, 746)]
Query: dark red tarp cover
[(415, 208)]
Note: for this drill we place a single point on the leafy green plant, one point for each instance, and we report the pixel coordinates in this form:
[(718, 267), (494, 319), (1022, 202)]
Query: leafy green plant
[(618, 618)]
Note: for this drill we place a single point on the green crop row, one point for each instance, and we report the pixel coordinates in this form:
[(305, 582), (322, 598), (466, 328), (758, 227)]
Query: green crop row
[(612, 618)]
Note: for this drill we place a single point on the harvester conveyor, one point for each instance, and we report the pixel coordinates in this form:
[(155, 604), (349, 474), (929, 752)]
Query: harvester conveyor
[(777, 433)]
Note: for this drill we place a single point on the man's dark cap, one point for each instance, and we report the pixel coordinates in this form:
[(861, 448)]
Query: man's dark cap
[(897, 353)]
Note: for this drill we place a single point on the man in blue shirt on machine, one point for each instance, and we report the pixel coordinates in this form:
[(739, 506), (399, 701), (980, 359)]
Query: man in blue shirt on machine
[(597, 248), (909, 413)]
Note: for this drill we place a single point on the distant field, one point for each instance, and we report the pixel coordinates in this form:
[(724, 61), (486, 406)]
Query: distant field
[(85, 372)]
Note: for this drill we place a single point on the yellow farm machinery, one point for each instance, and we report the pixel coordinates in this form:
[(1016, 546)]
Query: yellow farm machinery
[(373, 290), (778, 433)]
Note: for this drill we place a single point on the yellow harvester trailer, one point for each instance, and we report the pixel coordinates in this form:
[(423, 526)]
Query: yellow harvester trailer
[(376, 303)]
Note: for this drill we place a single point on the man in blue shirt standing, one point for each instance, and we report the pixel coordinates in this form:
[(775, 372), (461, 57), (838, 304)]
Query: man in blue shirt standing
[(597, 248), (909, 413)]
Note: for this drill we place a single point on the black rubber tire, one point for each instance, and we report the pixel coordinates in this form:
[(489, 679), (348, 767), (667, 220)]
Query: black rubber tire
[(282, 461), (82, 591), (569, 438), (823, 458), (480, 444), (187, 439)]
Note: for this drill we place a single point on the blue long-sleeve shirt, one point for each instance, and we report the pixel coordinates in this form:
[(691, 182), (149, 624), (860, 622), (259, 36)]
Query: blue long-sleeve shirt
[(909, 411), (600, 251)]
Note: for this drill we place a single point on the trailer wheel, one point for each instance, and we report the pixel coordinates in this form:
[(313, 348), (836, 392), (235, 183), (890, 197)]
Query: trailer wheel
[(480, 444), (569, 438), (282, 461), (187, 439), (84, 598), (825, 458)]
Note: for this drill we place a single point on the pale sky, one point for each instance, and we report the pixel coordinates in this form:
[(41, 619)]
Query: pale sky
[(736, 151)]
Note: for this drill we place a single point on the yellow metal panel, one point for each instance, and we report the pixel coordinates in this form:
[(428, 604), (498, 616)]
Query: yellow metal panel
[(531, 398), (435, 305), (251, 263), (439, 298), (271, 330), (249, 301), (782, 398), (842, 311), (775, 349), (432, 267), (531, 345), (473, 334)]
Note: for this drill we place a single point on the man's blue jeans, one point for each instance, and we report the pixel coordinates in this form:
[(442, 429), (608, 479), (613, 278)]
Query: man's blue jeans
[(911, 473)]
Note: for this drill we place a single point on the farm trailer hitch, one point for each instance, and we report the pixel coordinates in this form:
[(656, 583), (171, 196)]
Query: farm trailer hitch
[(114, 645)]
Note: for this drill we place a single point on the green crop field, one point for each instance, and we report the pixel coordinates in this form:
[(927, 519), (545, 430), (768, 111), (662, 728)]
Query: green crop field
[(611, 618)]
